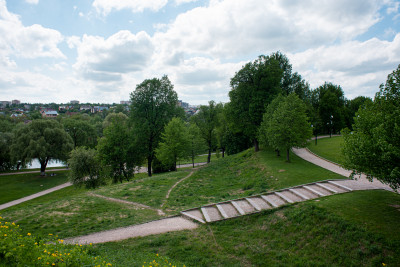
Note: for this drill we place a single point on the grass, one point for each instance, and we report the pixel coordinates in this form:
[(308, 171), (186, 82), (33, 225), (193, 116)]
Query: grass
[(244, 174), (376, 210), (305, 234), (352, 229), (70, 212), (21, 185), (328, 148)]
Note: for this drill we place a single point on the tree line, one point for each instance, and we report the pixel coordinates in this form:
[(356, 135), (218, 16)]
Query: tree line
[(270, 105)]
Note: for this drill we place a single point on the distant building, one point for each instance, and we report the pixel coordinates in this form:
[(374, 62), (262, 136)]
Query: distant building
[(27, 107), (74, 102), (85, 108), (98, 109), (125, 102), (183, 104), (15, 102), (48, 113), (5, 103)]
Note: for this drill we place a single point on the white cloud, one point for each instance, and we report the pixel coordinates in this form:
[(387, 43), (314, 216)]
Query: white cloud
[(106, 59), (237, 28), (106, 6), (26, 42), (359, 67), (180, 2), (33, 2)]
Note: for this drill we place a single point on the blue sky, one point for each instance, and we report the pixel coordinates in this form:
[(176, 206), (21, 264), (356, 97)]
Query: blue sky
[(99, 50)]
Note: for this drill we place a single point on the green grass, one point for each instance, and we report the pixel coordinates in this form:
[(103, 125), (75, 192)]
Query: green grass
[(71, 212), (328, 148), (299, 235), (150, 191), (244, 174), (16, 186), (376, 210), (200, 159)]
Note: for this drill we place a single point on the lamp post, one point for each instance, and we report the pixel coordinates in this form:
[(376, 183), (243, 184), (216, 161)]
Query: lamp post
[(330, 132)]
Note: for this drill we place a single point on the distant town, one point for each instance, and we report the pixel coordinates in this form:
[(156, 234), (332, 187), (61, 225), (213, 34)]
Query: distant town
[(27, 111)]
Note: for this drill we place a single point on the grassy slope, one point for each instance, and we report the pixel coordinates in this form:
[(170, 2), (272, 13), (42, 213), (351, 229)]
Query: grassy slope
[(20, 185), (329, 148), (305, 234), (244, 174), (324, 232)]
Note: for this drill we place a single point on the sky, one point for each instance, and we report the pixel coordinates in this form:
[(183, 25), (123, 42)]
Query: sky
[(97, 51)]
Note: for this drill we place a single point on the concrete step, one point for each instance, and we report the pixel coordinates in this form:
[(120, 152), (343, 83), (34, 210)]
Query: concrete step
[(229, 209), (248, 205), (334, 187), (211, 213), (340, 185), (194, 214), (261, 203)]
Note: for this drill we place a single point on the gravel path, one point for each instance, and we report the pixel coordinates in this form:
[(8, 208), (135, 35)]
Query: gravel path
[(151, 228), (42, 193)]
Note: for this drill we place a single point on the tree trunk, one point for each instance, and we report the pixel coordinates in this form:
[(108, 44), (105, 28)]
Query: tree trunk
[(209, 155), (43, 165), (316, 137), (256, 146), (287, 155), (278, 152), (223, 152), (193, 158), (149, 160)]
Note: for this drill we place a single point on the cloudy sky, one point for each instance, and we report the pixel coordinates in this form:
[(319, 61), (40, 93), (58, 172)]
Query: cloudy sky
[(99, 50)]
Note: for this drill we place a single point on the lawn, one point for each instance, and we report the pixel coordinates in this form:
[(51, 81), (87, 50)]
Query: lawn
[(20, 185), (328, 148), (352, 229), (244, 174), (304, 234)]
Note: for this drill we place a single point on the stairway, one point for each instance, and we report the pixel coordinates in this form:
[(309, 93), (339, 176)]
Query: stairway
[(248, 205)]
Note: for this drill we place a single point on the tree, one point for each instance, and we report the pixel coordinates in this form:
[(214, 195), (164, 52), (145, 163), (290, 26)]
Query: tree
[(116, 148), (175, 143), (255, 86), (197, 144), (153, 105), (373, 147), (206, 119), (6, 162), (43, 139), (85, 167), (222, 130), (328, 100), (81, 132), (288, 126)]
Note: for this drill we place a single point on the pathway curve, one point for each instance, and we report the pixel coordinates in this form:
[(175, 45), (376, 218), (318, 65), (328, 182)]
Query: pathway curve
[(50, 190)]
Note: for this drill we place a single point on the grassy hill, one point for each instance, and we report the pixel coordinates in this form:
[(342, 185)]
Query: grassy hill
[(359, 228)]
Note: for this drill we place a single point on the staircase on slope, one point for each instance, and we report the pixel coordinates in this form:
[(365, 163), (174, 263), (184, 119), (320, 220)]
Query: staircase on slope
[(248, 205)]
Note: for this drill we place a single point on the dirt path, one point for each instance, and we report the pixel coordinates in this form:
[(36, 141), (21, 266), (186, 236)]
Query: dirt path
[(138, 205), (181, 180)]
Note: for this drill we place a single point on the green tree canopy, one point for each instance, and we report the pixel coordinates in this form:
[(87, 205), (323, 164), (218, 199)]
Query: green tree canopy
[(207, 119), (43, 139), (81, 132), (115, 148), (174, 144), (153, 105), (85, 168), (255, 86), (288, 126), (373, 147)]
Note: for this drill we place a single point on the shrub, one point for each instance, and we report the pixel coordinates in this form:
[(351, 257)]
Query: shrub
[(18, 249)]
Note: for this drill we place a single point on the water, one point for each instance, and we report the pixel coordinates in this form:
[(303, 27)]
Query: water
[(35, 164)]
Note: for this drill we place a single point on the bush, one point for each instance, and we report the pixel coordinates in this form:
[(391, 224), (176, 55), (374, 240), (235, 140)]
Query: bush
[(18, 249)]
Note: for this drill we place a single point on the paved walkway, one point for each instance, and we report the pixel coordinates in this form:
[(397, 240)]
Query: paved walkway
[(42, 193), (45, 192)]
